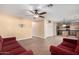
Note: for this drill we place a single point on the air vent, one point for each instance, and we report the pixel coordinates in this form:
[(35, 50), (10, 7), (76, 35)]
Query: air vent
[(49, 21), (50, 5)]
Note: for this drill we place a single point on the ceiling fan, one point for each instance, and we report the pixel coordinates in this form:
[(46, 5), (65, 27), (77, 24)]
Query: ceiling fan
[(37, 14)]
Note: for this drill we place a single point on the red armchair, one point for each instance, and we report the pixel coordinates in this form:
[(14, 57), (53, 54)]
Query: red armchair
[(11, 47), (1, 41), (67, 47)]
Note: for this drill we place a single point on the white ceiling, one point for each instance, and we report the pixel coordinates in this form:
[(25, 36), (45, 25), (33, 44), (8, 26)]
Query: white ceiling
[(59, 12)]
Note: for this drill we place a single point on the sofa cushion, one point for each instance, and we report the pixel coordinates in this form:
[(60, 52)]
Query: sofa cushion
[(60, 51), (11, 46), (17, 50), (77, 47), (65, 47), (9, 42), (70, 45), (73, 41)]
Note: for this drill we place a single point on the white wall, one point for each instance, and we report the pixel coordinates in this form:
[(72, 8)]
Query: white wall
[(38, 29), (54, 29), (43, 29), (49, 29)]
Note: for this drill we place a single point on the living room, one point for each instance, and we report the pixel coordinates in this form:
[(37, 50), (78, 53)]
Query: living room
[(39, 29)]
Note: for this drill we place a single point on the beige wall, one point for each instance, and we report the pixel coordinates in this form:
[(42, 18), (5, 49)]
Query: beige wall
[(9, 26), (38, 29)]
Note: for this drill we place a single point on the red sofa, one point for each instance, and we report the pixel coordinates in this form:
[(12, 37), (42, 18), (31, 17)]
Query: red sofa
[(67, 47), (9, 46)]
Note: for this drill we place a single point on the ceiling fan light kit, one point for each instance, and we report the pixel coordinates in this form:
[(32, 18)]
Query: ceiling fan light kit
[(36, 16)]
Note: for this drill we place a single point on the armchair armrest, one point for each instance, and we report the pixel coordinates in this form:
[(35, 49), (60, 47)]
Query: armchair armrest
[(9, 38), (70, 40), (60, 51)]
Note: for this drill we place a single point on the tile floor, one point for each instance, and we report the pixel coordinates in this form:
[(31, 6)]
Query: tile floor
[(41, 46)]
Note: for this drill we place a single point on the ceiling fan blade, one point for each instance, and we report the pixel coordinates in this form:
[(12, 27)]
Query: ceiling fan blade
[(31, 11), (42, 13), (42, 16)]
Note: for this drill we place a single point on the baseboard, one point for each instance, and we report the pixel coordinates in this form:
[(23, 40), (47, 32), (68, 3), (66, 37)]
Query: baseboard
[(50, 36), (38, 37), (23, 38), (29, 38)]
